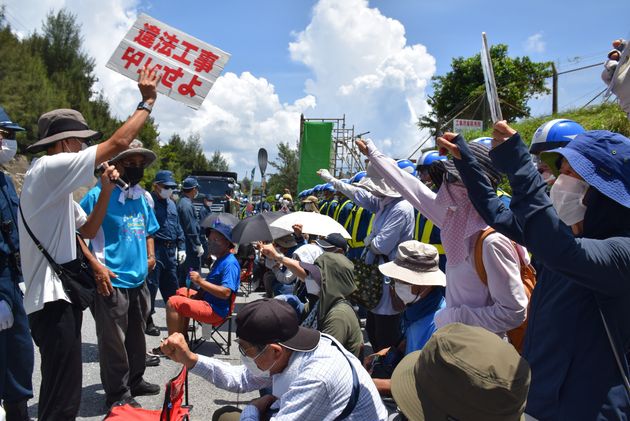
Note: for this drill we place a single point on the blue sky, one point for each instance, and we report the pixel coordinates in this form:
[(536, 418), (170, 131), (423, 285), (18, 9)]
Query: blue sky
[(369, 60)]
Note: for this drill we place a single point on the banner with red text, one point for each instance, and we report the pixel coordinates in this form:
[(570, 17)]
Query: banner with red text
[(189, 66)]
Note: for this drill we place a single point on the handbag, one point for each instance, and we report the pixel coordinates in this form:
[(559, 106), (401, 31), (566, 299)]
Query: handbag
[(369, 282), (76, 276)]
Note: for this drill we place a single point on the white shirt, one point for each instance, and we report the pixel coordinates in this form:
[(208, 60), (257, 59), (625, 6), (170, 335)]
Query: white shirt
[(52, 216), (319, 390)]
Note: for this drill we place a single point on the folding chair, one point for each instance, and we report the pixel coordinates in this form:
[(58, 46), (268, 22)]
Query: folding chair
[(247, 276), (217, 336), (172, 409)]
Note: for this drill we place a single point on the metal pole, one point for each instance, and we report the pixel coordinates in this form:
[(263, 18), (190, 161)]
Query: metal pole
[(554, 103)]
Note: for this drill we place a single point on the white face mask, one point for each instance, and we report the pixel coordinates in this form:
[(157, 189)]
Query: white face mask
[(566, 195), (312, 287), (8, 150), (166, 193), (250, 365), (403, 290)]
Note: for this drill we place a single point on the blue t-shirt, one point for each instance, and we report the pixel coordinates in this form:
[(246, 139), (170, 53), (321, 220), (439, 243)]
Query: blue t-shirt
[(125, 229), (225, 272)]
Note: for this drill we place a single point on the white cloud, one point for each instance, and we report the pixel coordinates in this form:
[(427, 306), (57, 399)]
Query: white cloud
[(364, 69), (535, 44), (360, 60)]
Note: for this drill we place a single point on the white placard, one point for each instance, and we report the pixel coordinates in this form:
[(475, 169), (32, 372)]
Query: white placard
[(189, 66)]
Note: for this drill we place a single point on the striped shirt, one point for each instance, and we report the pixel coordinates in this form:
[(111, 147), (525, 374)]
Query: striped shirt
[(319, 390)]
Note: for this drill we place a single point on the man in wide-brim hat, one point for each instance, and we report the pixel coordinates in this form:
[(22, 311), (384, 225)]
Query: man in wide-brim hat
[(46, 202)]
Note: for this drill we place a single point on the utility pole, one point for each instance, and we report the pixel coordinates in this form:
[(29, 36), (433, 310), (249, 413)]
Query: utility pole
[(554, 102)]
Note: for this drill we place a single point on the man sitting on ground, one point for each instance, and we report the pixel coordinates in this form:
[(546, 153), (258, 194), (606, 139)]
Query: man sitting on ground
[(211, 304), (312, 376)]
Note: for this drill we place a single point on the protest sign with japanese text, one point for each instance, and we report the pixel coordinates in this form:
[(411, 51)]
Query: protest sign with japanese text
[(189, 66)]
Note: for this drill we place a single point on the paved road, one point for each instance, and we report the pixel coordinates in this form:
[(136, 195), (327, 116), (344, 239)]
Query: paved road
[(204, 397)]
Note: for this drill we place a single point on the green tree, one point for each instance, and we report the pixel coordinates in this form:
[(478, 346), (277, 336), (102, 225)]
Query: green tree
[(286, 175), (461, 92), (246, 185), (218, 162)]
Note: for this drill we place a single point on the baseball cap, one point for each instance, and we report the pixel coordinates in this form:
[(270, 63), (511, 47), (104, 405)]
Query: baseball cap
[(268, 321)]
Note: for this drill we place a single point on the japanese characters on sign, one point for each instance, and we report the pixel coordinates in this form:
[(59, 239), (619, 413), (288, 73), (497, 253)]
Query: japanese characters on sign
[(461, 125), (189, 66)]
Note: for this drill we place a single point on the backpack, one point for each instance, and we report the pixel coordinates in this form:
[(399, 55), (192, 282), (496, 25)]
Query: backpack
[(528, 277)]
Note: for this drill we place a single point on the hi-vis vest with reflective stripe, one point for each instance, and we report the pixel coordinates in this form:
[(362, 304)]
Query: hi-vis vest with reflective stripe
[(361, 218), (338, 210), (324, 204), (426, 232)]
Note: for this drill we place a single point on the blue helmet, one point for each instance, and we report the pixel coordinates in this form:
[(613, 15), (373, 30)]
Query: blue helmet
[(485, 141), (328, 187), (429, 157), (302, 193), (407, 165), (7, 123), (554, 134), (318, 188), (358, 177)]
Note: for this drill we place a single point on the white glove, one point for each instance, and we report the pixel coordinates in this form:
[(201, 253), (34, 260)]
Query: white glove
[(325, 175), (621, 87), (6, 316), (199, 249), (181, 256)]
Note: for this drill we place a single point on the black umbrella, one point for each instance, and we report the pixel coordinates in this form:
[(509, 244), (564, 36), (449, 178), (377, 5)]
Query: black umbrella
[(223, 217), (256, 228)]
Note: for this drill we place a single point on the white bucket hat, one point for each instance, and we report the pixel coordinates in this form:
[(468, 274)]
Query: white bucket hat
[(415, 263)]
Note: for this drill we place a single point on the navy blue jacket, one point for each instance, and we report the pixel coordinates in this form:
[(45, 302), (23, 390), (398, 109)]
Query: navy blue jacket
[(9, 241), (189, 223), (574, 373), (167, 217)]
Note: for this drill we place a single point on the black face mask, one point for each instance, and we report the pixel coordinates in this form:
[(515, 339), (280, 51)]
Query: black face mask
[(133, 175)]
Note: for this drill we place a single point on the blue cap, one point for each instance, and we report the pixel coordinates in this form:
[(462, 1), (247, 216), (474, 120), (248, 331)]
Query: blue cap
[(165, 177), (328, 187), (190, 183), (7, 123), (601, 158), (224, 229)]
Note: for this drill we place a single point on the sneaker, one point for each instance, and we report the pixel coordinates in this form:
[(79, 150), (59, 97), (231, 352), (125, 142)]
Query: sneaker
[(145, 388), (151, 360), (152, 330)]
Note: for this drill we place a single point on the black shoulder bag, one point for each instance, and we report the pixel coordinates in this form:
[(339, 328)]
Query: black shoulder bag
[(76, 276)]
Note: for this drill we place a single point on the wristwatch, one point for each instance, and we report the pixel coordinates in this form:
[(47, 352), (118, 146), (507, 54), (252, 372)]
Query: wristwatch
[(145, 106)]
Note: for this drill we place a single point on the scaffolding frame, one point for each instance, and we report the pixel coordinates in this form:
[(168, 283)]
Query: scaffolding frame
[(345, 158)]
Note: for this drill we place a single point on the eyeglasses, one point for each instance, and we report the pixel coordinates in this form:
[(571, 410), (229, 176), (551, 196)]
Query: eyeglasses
[(243, 351)]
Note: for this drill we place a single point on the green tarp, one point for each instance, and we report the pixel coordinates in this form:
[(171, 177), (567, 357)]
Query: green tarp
[(315, 150)]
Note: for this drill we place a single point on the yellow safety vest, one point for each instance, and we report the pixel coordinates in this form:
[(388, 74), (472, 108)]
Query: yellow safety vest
[(426, 233), (355, 242), (338, 210)]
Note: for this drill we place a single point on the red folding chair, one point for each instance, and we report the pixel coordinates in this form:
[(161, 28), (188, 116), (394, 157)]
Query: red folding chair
[(247, 276), (218, 337), (172, 410)]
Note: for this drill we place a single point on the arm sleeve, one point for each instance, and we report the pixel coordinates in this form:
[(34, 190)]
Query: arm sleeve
[(228, 377), (335, 327), (410, 187), (483, 197), (189, 223), (181, 239), (358, 195), (388, 237), (599, 265), (231, 277), (66, 172), (152, 223), (508, 308)]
